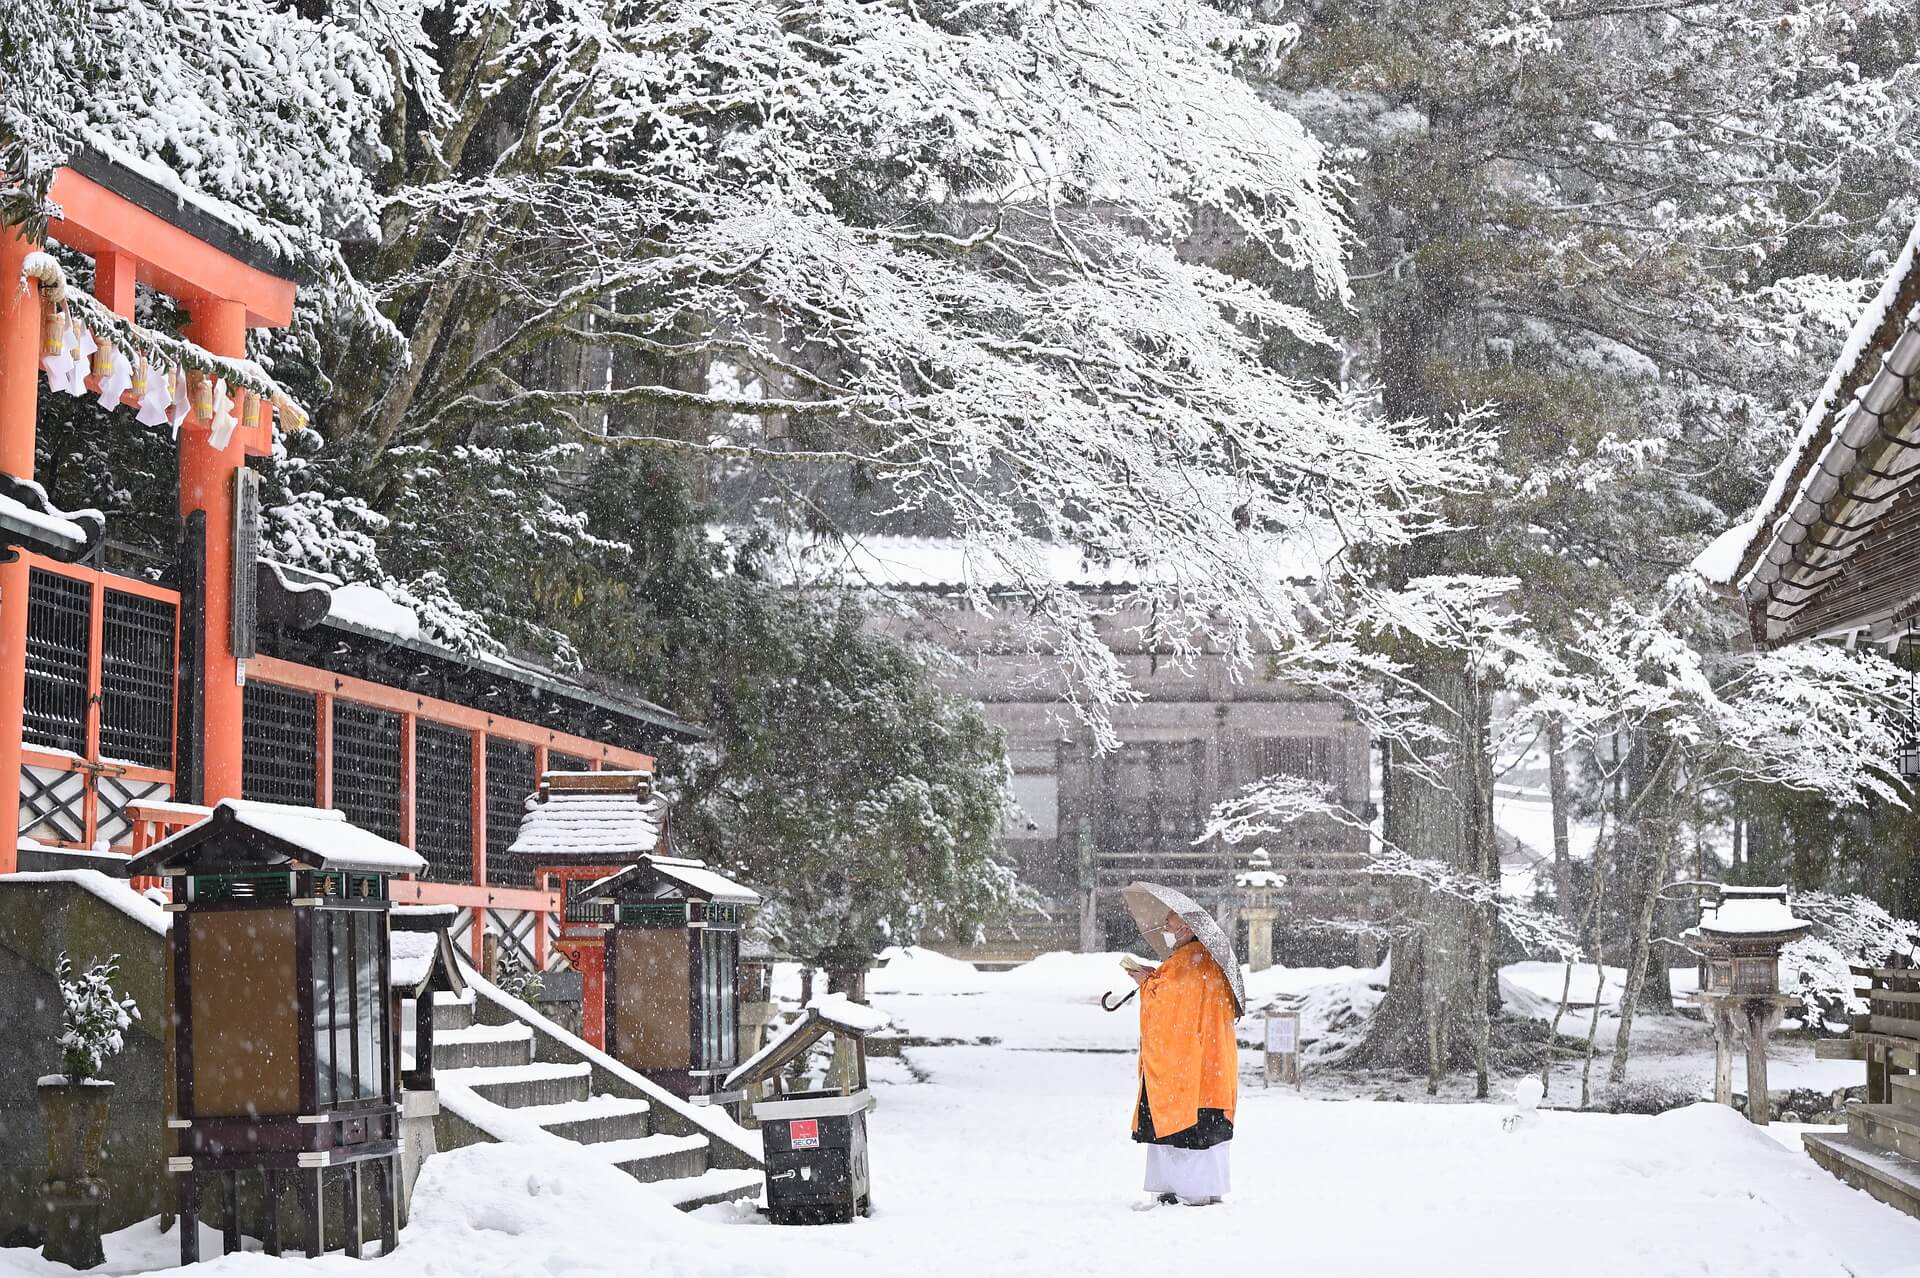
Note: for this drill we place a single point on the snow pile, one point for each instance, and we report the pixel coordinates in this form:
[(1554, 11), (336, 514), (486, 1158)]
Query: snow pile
[(1720, 561), (1333, 1004), (913, 970), (1533, 989), (1073, 978)]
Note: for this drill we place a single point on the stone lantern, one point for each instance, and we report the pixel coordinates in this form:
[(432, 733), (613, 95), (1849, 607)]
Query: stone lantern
[(1740, 939), (1259, 886)]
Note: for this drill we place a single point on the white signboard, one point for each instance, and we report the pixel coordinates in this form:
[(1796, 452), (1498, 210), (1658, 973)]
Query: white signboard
[(1283, 1034)]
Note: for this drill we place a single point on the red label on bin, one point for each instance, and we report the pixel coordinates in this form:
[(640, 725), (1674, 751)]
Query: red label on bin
[(804, 1133)]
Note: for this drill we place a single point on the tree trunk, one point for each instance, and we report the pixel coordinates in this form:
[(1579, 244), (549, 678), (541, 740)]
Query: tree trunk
[(1557, 793), (851, 981), (1428, 1020), (1647, 831)]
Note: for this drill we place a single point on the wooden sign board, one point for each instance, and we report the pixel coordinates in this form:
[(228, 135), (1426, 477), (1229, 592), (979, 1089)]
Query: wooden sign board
[(1283, 1048)]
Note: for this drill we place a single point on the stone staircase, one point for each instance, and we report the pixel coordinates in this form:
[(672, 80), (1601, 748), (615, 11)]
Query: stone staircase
[(506, 1073), (1880, 1151)]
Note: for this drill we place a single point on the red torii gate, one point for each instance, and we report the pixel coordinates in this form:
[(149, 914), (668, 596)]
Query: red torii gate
[(224, 297)]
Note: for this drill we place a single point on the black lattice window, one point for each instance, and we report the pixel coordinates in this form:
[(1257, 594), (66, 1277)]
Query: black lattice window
[(443, 801), (282, 743), (366, 767), (59, 618), (510, 780), (559, 761), (136, 680)]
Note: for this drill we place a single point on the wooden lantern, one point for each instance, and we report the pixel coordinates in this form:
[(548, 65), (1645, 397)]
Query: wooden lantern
[(284, 1049), (672, 988)]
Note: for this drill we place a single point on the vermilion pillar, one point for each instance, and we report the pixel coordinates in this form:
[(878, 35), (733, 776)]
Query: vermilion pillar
[(19, 367), (206, 485)]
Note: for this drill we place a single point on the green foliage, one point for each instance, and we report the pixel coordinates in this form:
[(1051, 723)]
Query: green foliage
[(514, 977)]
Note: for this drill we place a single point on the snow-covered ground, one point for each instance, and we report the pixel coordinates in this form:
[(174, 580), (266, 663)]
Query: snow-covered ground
[(1011, 1155)]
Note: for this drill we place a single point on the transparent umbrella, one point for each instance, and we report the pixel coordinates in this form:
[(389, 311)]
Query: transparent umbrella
[(1150, 903)]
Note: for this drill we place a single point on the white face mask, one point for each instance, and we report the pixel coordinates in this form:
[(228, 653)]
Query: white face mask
[(1171, 940)]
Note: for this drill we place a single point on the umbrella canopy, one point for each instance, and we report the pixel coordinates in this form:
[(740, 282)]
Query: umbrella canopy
[(1150, 903)]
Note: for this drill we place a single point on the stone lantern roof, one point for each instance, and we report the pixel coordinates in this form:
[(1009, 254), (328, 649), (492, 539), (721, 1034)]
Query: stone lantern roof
[(1751, 915), (1260, 872)]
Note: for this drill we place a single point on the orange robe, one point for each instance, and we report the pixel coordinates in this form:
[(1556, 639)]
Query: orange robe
[(1189, 1058)]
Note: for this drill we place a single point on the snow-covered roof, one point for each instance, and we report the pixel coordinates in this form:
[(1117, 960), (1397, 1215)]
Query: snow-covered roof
[(1842, 472), (690, 876), (829, 1013), (359, 608), (1751, 912), (319, 837), (411, 956), (954, 565), (593, 824), (28, 518), (843, 1013)]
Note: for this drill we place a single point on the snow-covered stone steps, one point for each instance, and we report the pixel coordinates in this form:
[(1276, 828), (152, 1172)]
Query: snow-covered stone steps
[(1891, 1177), (655, 1158), (1895, 1128), (483, 1045), (593, 1121), (716, 1185), (522, 1086), (451, 1012), (561, 1087)]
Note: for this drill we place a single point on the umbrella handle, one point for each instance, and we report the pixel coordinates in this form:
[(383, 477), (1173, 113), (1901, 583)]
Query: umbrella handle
[(1114, 1007)]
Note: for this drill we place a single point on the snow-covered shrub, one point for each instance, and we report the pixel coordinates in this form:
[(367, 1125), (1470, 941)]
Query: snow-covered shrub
[(1816, 972), (514, 977), (95, 1020), (1847, 929), (1646, 1096)]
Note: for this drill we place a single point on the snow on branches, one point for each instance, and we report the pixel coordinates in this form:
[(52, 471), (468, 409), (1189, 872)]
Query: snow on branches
[(94, 1019)]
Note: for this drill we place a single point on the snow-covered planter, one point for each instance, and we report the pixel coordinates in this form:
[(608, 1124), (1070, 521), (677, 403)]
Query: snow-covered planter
[(73, 1106)]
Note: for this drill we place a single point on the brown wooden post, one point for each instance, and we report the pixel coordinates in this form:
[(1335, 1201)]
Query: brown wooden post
[(1723, 1032)]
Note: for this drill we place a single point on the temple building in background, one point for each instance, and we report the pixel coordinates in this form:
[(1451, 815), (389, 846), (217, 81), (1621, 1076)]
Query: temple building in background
[(1092, 821)]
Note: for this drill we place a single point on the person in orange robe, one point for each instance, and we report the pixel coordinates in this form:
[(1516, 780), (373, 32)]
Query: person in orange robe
[(1189, 1073)]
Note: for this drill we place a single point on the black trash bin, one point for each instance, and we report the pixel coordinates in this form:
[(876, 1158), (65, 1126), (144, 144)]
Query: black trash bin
[(816, 1148), (815, 1140)]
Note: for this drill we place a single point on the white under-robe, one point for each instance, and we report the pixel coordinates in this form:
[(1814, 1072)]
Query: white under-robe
[(1190, 1173)]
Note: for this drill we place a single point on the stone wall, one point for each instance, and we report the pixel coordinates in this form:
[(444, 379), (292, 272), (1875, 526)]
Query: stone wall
[(39, 920)]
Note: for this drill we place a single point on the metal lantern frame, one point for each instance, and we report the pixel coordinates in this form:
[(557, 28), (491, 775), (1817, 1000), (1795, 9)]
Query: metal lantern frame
[(285, 1057), (650, 906)]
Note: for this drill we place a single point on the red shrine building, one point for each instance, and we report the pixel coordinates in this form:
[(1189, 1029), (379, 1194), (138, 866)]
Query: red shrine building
[(131, 703)]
